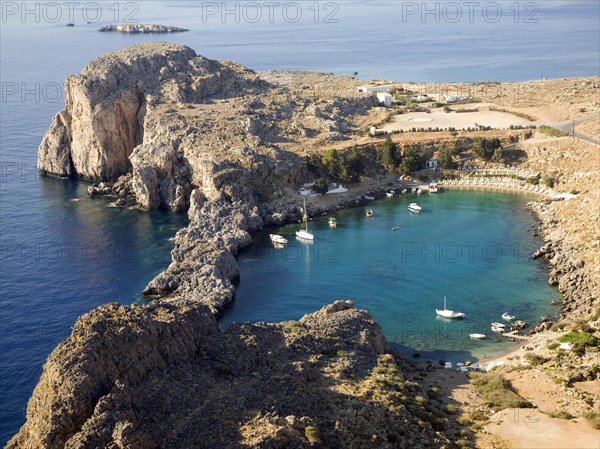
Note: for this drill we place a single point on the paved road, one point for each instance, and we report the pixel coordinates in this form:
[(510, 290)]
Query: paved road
[(568, 128)]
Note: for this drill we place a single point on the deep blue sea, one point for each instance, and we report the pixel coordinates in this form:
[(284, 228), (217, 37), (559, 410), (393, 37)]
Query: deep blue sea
[(63, 254)]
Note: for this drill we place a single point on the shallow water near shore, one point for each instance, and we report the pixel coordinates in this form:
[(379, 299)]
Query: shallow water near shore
[(474, 247)]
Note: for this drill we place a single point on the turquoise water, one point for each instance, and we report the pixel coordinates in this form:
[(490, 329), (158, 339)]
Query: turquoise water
[(43, 291), (473, 247)]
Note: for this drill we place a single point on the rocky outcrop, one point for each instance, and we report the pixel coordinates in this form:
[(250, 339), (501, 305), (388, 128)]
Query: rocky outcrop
[(165, 376), (106, 106), (568, 271), (142, 28)]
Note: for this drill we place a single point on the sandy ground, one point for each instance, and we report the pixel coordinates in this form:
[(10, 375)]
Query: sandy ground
[(441, 119), (530, 429)]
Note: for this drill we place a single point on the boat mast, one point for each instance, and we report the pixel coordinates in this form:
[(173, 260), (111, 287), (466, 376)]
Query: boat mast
[(305, 216)]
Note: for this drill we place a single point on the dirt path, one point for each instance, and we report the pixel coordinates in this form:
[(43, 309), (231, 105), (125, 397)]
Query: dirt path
[(530, 429)]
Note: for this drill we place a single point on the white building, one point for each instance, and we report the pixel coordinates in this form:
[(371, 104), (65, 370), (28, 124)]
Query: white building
[(431, 163), (307, 189), (371, 89), (455, 98), (385, 99)]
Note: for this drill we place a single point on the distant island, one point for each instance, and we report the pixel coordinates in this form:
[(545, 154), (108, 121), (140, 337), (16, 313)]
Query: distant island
[(143, 28)]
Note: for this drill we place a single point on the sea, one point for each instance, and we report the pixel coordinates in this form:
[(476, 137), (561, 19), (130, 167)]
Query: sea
[(63, 253)]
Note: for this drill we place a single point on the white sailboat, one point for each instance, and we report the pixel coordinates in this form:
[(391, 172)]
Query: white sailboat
[(445, 313), (303, 233)]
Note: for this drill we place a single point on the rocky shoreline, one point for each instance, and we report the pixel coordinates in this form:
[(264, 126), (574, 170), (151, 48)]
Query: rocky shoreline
[(161, 127), (165, 376), (568, 271)]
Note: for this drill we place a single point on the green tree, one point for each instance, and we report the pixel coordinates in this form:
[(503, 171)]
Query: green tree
[(332, 162), (353, 165), (389, 153), (445, 157), (498, 155), (320, 186), (313, 163), (412, 159)]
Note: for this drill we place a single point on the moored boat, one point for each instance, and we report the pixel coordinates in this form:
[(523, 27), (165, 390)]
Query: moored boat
[(414, 207), (446, 313), (303, 233), (279, 239), (433, 187), (507, 316), (395, 228), (476, 336), (369, 213), (332, 222), (498, 325)]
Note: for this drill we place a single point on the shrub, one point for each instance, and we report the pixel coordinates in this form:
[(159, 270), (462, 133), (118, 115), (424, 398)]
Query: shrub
[(562, 414), (550, 131), (552, 346), (451, 409), (594, 419), (581, 340), (312, 435), (497, 392), (535, 359)]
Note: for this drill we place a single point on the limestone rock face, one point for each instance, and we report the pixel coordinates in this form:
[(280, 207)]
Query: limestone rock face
[(165, 376), (105, 106)]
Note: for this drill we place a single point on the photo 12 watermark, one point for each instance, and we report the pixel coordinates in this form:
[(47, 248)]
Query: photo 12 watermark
[(470, 12), (269, 12), (69, 12), (31, 92)]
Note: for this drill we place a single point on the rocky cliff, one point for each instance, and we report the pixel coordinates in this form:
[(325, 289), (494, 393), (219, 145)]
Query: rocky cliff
[(184, 133), (165, 376)]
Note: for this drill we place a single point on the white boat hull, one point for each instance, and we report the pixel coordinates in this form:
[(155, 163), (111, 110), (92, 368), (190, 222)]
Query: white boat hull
[(275, 238), (449, 313), (302, 234), (477, 336)]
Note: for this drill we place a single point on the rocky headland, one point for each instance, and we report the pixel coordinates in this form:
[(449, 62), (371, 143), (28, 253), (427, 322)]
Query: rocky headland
[(161, 127), (165, 376), (142, 28)]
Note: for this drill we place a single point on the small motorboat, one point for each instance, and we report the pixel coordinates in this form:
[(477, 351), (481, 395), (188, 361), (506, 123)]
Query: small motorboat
[(499, 325), (445, 313), (332, 222), (404, 191), (389, 194), (395, 228), (278, 239), (476, 336), (507, 316), (497, 329), (419, 191), (414, 207), (369, 213)]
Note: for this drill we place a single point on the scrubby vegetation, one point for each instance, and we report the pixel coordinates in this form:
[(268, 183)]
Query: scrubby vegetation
[(497, 392), (554, 132), (535, 359), (581, 340), (518, 114)]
